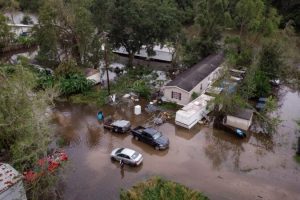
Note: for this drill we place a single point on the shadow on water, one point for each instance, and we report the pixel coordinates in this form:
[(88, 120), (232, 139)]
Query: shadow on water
[(148, 148)]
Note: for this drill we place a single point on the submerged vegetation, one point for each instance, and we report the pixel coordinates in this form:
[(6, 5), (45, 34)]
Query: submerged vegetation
[(159, 188)]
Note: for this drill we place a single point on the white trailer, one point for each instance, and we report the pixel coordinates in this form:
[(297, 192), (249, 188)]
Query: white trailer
[(196, 110)]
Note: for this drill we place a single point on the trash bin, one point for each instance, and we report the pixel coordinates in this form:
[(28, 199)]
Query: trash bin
[(137, 110)]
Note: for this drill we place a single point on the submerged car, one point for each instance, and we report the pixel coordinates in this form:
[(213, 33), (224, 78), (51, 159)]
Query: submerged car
[(118, 126), (151, 136), (128, 156)]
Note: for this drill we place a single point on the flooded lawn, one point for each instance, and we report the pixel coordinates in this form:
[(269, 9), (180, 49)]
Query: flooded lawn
[(212, 161)]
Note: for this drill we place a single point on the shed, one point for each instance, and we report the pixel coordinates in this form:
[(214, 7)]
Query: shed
[(240, 118), (194, 80), (11, 185)]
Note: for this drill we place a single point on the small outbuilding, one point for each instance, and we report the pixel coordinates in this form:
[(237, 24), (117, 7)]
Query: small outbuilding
[(11, 185), (240, 118), (194, 80)]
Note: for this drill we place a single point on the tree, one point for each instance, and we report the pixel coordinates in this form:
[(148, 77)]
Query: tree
[(248, 15), (210, 15), (271, 60), (139, 22), (9, 6), (30, 5), (69, 30), (6, 35), (24, 123)]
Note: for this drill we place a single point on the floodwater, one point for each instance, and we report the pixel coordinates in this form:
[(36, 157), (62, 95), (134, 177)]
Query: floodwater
[(212, 161)]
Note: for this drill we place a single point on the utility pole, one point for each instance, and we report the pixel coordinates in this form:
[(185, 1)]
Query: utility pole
[(106, 65)]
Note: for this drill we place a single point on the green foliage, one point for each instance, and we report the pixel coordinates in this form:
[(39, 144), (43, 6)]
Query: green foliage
[(195, 95), (169, 106), (158, 188), (30, 5), (45, 81), (262, 84), (91, 97), (66, 68), (297, 158), (26, 41), (142, 88), (6, 36), (26, 20), (24, 124), (69, 28), (271, 60), (74, 84), (136, 23), (249, 14)]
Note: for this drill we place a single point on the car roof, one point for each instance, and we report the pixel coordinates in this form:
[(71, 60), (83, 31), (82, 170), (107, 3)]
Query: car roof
[(151, 131), (128, 152)]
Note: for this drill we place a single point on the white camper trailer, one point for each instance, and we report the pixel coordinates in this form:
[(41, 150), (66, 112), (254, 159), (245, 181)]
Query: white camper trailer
[(196, 110)]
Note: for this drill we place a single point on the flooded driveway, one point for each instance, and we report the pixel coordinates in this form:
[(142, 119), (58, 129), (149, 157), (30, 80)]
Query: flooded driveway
[(212, 161)]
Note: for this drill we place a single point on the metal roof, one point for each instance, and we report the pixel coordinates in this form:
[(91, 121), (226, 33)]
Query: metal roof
[(193, 76), (242, 113), (8, 177)]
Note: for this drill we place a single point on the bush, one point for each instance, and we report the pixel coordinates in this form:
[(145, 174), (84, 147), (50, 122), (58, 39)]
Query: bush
[(158, 188), (142, 88), (26, 41), (195, 95), (74, 84), (45, 81), (67, 67), (27, 20)]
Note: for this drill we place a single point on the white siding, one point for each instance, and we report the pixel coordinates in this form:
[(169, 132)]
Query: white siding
[(186, 97)]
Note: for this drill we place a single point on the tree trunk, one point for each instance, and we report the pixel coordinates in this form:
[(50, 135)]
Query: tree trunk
[(130, 59)]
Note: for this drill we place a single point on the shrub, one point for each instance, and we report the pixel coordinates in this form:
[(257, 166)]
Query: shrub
[(158, 188), (142, 88), (74, 84), (195, 95)]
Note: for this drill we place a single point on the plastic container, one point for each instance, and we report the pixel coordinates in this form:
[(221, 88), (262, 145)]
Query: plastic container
[(137, 110)]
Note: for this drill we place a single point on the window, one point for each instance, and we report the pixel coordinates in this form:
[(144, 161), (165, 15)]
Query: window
[(176, 95)]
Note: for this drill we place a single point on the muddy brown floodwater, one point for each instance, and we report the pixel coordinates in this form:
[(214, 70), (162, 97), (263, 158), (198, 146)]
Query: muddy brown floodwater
[(212, 161)]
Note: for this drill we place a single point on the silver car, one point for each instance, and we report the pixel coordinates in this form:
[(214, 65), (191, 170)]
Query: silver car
[(128, 156)]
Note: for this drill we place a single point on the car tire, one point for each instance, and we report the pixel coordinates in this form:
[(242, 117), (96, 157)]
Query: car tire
[(112, 158), (115, 130), (136, 138), (156, 148)]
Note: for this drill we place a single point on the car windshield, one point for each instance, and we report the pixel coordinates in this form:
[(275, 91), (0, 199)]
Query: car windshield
[(135, 155), (119, 151), (156, 135)]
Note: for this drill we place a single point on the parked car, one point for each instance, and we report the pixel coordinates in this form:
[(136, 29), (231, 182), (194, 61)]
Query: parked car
[(151, 136), (118, 126), (128, 156)]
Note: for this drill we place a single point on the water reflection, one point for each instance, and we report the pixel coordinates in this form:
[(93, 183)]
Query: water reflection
[(222, 146)]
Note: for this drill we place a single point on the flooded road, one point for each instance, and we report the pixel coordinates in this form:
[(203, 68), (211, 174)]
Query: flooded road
[(212, 161)]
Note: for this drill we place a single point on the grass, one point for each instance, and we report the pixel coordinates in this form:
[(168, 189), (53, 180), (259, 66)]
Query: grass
[(169, 106), (297, 158), (98, 97), (157, 188)]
